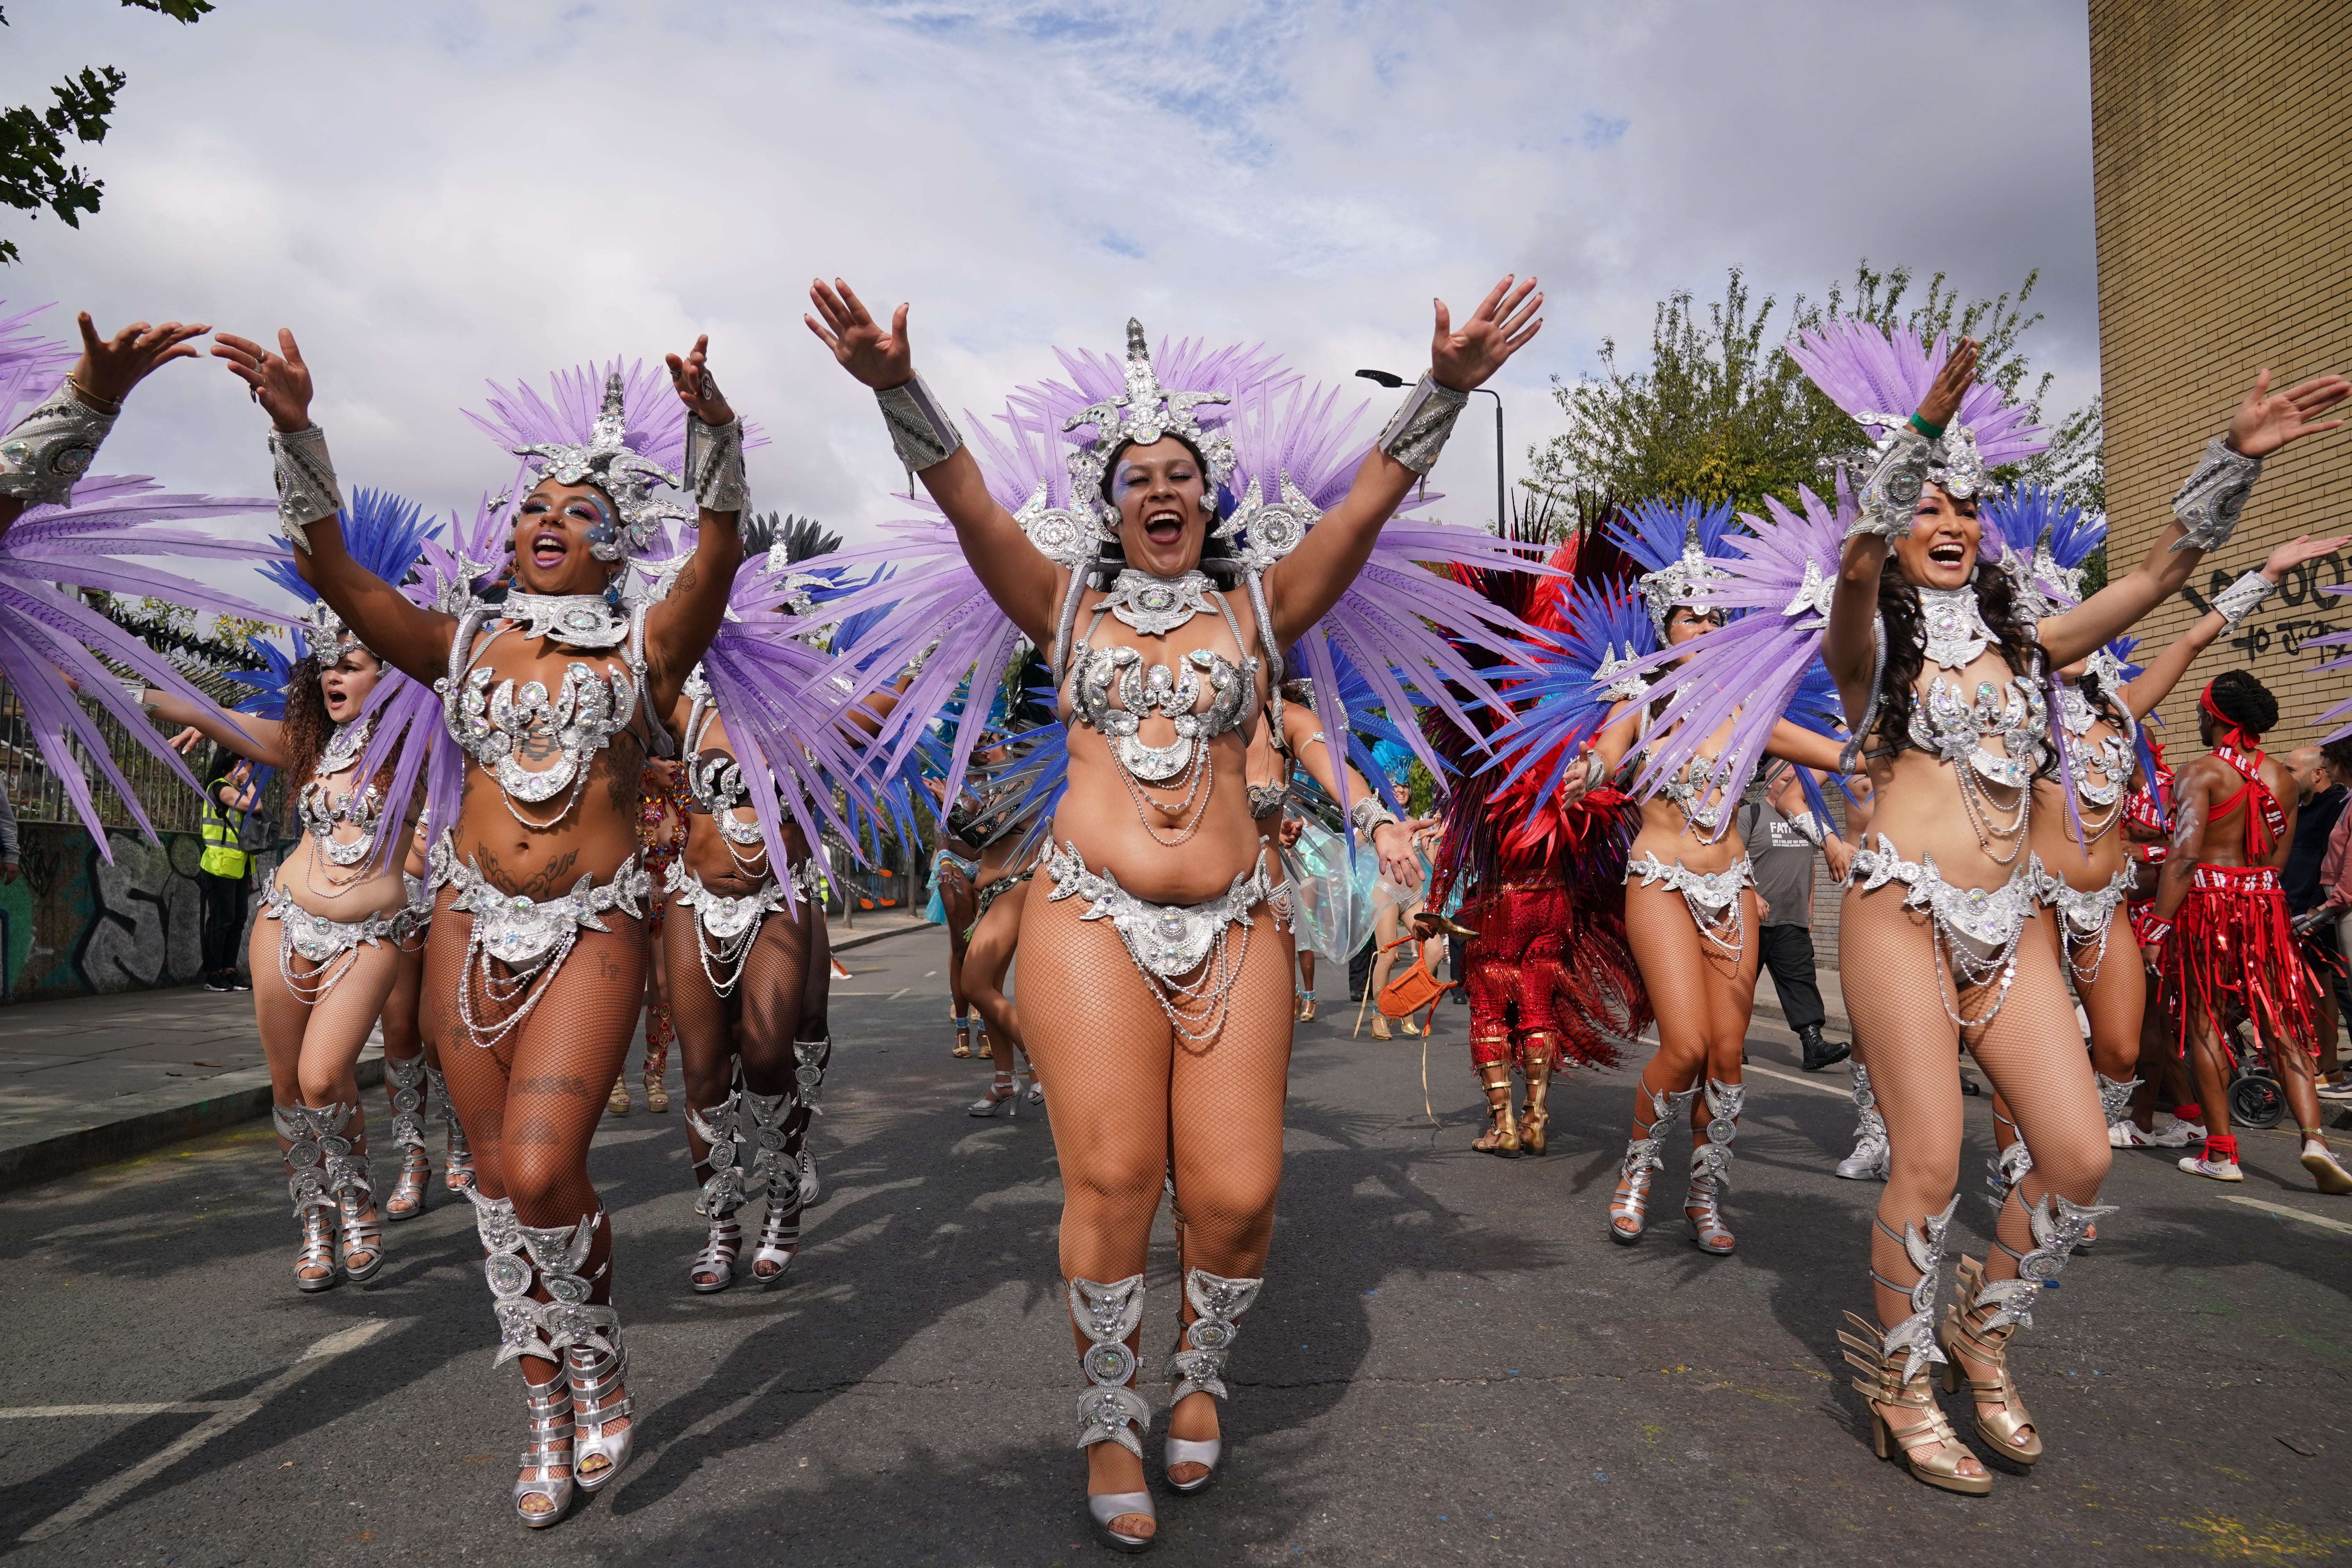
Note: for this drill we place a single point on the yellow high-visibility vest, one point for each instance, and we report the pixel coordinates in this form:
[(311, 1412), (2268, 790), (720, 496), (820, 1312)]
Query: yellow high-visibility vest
[(222, 858)]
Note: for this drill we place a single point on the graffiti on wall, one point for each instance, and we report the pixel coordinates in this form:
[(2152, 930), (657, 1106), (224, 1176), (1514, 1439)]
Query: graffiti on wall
[(77, 926), (2300, 588)]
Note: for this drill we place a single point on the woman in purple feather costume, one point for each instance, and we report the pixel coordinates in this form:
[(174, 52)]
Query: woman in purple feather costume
[(1156, 973), (1943, 913), (534, 970)]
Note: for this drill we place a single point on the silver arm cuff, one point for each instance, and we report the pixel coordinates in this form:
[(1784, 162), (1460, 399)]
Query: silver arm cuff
[(51, 447), (306, 481), (920, 428), (714, 466), (2243, 597), (1890, 496), (1805, 823), (1370, 814), (2208, 505), (1418, 433)]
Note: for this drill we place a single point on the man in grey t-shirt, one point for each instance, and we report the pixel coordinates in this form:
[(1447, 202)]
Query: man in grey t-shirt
[(1782, 834)]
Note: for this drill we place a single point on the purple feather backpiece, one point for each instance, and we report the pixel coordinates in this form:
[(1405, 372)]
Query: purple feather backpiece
[(1863, 370)]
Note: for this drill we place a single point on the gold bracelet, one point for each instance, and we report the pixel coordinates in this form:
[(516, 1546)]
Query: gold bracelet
[(106, 405)]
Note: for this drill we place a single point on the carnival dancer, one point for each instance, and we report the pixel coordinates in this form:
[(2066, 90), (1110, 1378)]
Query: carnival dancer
[(2097, 706), (1948, 676), (1156, 968), (2230, 951), (1537, 869), (1691, 915), (534, 971), (661, 834), (955, 873)]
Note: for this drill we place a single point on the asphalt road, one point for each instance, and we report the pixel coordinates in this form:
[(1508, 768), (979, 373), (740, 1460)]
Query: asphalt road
[(1450, 1362)]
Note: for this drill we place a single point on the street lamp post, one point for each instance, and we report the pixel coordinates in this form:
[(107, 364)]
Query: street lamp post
[(1390, 380)]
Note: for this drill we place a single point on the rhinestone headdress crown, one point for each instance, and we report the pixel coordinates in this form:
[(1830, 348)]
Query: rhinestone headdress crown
[(1689, 579), (1144, 413), (608, 462), (328, 637)]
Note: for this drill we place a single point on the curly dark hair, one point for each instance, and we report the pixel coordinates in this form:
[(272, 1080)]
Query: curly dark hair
[(2244, 702), (1110, 556), (2338, 754), (307, 725), (1898, 605)]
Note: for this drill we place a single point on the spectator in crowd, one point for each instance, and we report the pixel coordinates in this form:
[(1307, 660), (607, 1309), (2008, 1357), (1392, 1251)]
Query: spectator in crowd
[(1781, 833), (10, 866), (225, 874), (2319, 895)]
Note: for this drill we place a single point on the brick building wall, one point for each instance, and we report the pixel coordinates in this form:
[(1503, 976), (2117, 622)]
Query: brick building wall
[(2221, 150)]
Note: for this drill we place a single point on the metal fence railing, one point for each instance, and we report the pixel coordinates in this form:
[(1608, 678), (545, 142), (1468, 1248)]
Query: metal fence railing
[(39, 796)]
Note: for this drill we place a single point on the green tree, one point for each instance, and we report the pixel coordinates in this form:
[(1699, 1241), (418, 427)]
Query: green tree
[(34, 172), (1724, 413)]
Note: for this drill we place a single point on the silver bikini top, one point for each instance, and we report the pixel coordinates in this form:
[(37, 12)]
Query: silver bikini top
[(2101, 769), (1695, 788), (321, 809), (1955, 725), (1173, 692), (714, 780), (586, 709), (1266, 799)]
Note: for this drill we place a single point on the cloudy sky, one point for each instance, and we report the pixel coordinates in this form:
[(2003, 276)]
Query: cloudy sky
[(431, 192)]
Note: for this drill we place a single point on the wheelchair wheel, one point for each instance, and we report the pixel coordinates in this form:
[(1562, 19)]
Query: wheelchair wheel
[(2255, 1100)]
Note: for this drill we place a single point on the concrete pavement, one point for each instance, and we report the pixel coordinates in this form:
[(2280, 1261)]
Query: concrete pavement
[(1450, 1361)]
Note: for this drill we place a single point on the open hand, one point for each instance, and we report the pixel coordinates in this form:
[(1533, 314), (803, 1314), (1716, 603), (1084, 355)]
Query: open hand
[(691, 377), (2295, 551), (280, 382), (878, 358), (1504, 323), (1942, 403), (2264, 423), (186, 741), (110, 367), (1392, 842)]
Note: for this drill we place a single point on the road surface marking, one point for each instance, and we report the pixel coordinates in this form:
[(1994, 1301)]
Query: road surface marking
[(2289, 1213), (182, 1407), (230, 1414), (1799, 1082)]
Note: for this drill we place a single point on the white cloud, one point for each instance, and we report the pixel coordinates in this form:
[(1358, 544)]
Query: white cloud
[(436, 193)]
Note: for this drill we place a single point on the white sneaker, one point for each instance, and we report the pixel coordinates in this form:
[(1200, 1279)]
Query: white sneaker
[(2126, 1134), (2331, 1177), (2220, 1170), (2169, 1132), (1868, 1163), (2337, 1094)]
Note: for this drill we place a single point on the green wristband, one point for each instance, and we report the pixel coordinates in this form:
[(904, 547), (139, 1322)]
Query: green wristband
[(1933, 432)]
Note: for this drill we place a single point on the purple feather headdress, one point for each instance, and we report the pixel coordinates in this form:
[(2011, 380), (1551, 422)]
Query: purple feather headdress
[(2041, 540), (1879, 380), (1675, 544)]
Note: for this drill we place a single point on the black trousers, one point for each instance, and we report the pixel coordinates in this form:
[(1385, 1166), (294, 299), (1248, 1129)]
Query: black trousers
[(224, 921), (1788, 953)]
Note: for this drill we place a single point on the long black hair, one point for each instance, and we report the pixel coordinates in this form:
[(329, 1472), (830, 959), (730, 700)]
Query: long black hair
[(1898, 605), (1216, 554)]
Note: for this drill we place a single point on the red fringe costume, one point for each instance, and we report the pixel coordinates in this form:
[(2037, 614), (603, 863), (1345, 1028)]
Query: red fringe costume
[(1549, 977), (2231, 949)]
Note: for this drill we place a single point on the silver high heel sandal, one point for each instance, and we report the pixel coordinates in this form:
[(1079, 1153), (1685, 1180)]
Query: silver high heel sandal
[(1001, 1092), (458, 1160), (550, 1407), (812, 1057), (723, 1193), (593, 1375), (1710, 1175), (775, 1174), (1024, 1068), (1872, 1155), (1629, 1205), (1108, 1409), (317, 1158), (406, 1076), (1199, 1366)]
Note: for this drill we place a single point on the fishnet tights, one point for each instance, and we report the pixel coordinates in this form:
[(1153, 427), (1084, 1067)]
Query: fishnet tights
[(1132, 1103), (1913, 1050), (313, 1050), (755, 1024), (1706, 1000), (530, 1104)]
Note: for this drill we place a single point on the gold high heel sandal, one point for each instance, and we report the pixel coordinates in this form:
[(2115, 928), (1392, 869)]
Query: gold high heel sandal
[(2001, 1416), (1882, 1383), (1502, 1137)]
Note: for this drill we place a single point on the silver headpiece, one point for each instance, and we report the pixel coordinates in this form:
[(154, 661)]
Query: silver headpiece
[(1954, 464), (1144, 413), (328, 637), (608, 462), (2104, 667), (1616, 678), (1688, 580)]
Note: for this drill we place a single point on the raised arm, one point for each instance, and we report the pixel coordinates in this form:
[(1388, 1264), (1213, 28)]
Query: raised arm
[(1310, 579), (2204, 513), (679, 630), (414, 641), (2155, 683), (1391, 839), (1025, 585), (1891, 499), (53, 445)]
